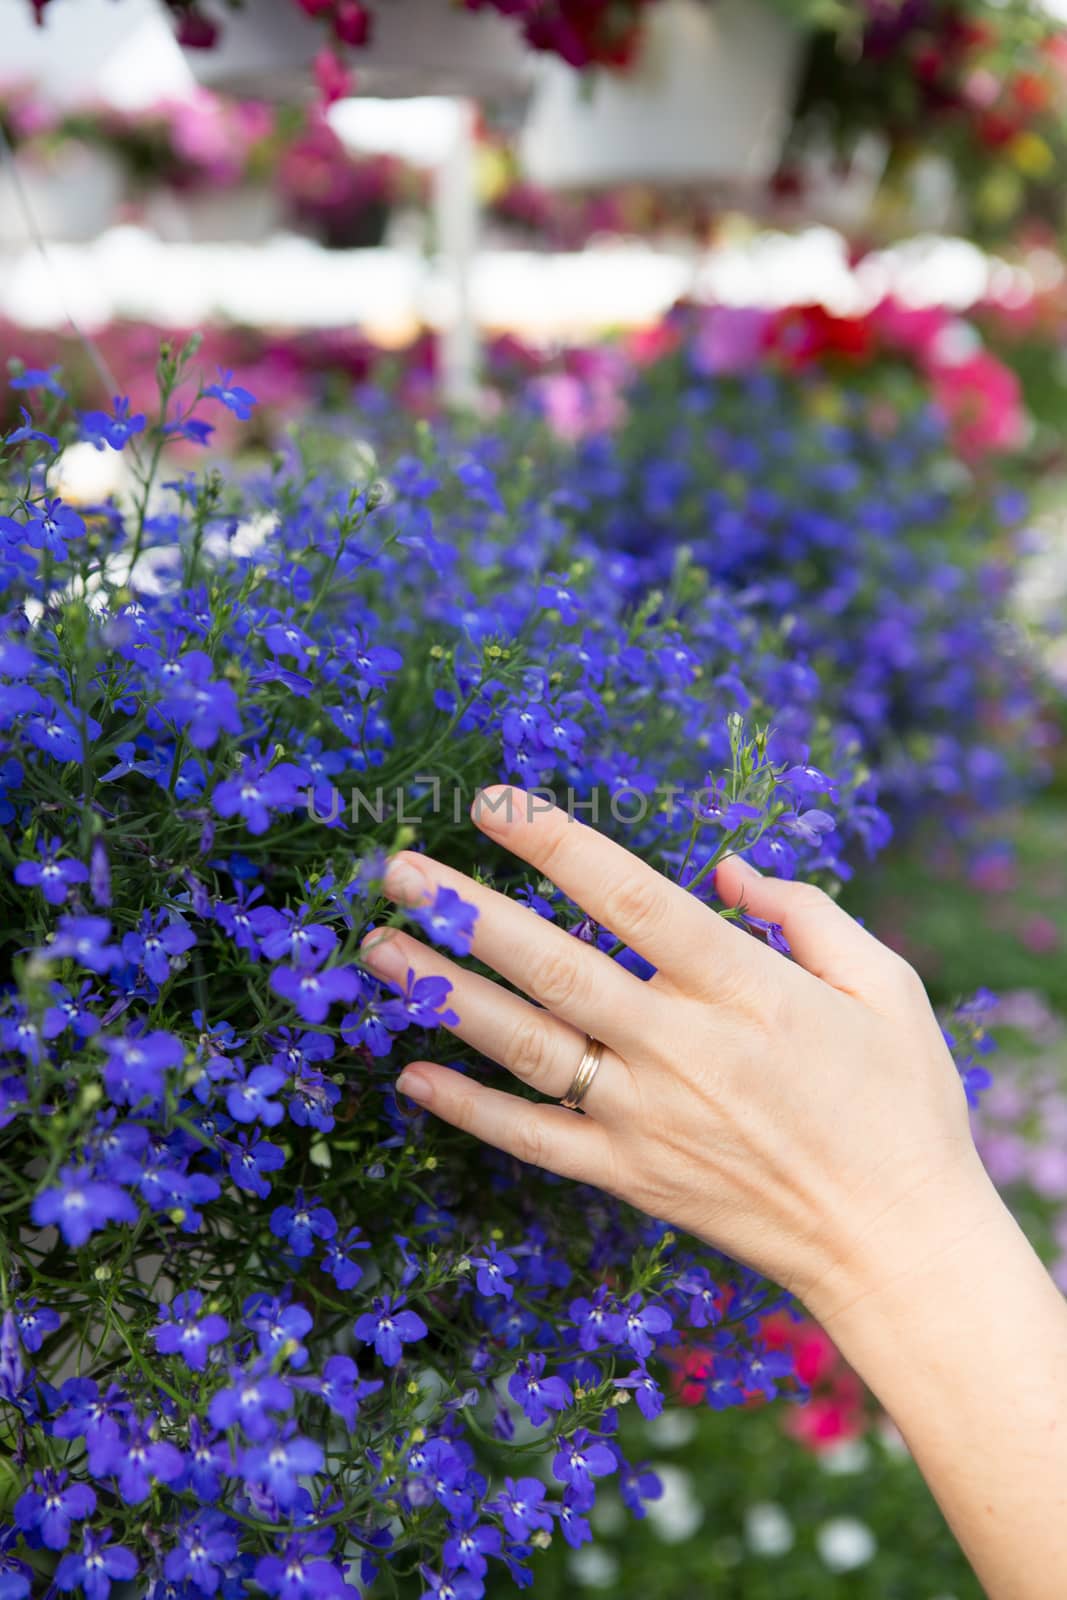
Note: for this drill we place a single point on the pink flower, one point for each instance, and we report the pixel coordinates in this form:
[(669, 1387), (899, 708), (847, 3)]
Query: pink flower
[(730, 339), (332, 76), (982, 401)]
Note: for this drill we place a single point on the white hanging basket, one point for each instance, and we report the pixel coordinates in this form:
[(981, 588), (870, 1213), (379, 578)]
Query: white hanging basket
[(72, 196), (418, 47), (230, 216), (708, 100)]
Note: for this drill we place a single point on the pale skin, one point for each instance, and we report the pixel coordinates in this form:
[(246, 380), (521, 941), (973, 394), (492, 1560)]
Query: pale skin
[(804, 1116)]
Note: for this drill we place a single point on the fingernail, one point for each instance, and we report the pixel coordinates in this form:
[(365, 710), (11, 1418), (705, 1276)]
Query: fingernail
[(416, 1085), (382, 953), (403, 881)]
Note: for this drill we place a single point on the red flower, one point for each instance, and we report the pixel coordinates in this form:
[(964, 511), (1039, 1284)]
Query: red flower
[(805, 334)]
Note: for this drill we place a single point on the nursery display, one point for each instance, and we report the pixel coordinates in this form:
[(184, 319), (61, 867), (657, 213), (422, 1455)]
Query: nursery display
[(263, 1328), (966, 103), (803, 462), (202, 167)]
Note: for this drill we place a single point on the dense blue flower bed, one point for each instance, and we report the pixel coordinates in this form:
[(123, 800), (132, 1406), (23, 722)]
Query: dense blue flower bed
[(832, 504), (260, 1322)]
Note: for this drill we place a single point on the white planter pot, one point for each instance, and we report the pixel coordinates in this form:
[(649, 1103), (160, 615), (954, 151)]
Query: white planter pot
[(839, 193), (235, 216), (708, 100), (418, 47), (72, 197)]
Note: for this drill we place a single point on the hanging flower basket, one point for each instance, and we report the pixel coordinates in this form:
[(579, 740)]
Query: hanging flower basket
[(707, 100), (72, 194), (414, 47), (224, 216)]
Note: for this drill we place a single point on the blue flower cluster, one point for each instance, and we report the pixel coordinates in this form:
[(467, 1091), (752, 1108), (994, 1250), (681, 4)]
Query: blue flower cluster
[(262, 1328), (834, 503)]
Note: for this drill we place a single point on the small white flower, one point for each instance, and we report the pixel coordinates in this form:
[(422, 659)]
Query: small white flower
[(677, 1515), (851, 1455), (845, 1544), (672, 1428), (593, 1567), (768, 1530)]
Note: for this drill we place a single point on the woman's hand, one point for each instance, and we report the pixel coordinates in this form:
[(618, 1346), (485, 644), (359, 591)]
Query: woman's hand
[(804, 1116), (787, 1112)]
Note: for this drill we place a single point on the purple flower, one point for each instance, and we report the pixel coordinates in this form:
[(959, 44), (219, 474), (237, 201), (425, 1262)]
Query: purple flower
[(48, 1510), (136, 1068), (451, 1585), (495, 1267), (198, 703), (100, 874), (248, 1100), (52, 876), (302, 1223), (765, 1368), (232, 396), (703, 1309), (301, 1572), (26, 434), (160, 939), (288, 936), (50, 525), (96, 1565), (646, 1392), (84, 940), (345, 1272), (207, 1540), (641, 1323), (251, 1403), (724, 1386), (251, 1160), (256, 791), (34, 1322), (15, 1575), (536, 1394), (388, 1327), (470, 1543), (89, 1413), (46, 378), (449, 921), (207, 1463), (80, 1205), (579, 1460), (313, 993), (341, 1387), (187, 1333), (58, 734), (520, 1505), (279, 1327), (574, 1524), (598, 1320), (421, 1005), (115, 427), (636, 1485), (135, 1459), (279, 1464)]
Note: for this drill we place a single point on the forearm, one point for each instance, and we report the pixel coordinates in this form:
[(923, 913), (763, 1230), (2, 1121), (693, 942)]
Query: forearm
[(962, 1335)]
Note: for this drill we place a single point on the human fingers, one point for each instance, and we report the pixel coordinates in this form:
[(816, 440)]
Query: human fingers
[(690, 945), (537, 1047), (540, 1135), (822, 937), (571, 979)]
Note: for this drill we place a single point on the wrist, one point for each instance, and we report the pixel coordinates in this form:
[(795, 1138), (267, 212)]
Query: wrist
[(937, 1232)]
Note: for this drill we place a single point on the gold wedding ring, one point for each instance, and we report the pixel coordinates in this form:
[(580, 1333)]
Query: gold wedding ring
[(588, 1067)]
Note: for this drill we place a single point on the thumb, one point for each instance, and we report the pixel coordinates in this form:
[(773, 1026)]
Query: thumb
[(822, 937)]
